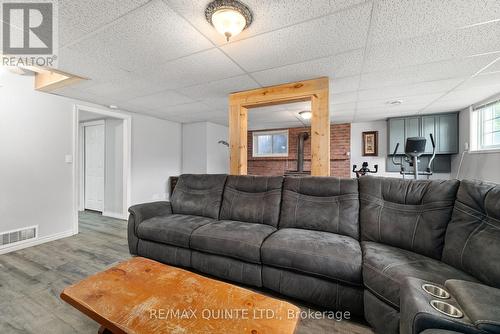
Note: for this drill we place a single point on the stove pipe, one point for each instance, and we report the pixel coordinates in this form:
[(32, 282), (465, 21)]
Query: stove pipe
[(300, 150)]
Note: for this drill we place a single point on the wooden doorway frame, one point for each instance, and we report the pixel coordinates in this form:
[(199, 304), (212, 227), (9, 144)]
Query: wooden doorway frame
[(315, 90)]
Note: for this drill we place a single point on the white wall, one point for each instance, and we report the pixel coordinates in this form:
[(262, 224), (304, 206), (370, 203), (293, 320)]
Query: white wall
[(113, 188), (480, 166), (357, 158), (36, 132), (156, 155), (357, 130), (217, 154), (201, 152), (194, 152)]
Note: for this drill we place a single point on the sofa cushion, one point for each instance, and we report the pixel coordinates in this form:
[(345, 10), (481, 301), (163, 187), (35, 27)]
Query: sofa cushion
[(324, 254), (172, 229), (385, 268), (198, 195), (252, 199), (326, 204), (408, 214), (472, 240), (235, 239)]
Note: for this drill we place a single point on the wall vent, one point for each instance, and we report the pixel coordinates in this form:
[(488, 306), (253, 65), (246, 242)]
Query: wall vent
[(18, 236)]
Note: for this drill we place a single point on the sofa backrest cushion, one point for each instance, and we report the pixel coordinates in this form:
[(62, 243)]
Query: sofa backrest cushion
[(472, 241), (198, 195), (409, 214), (252, 199), (326, 204)]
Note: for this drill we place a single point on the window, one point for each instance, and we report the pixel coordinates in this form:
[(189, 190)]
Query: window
[(486, 121), (270, 144)]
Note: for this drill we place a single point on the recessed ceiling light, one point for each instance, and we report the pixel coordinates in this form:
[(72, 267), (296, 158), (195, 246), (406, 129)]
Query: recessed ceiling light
[(229, 17), (395, 102), (306, 114), (112, 106)]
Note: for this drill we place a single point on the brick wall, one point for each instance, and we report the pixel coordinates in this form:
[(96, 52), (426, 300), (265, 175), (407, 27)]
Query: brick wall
[(340, 143)]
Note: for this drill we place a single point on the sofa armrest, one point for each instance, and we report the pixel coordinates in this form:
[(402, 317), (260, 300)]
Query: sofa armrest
[(479, 301), (140, 213)]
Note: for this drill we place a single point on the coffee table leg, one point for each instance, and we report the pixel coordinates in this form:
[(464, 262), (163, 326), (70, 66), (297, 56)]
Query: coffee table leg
[(104, 330)]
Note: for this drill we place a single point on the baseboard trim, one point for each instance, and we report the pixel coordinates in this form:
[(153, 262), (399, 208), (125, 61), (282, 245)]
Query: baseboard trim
[(37, 241), (114, 215)]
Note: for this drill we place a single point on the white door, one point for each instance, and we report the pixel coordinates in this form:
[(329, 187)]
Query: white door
[(94, 167)]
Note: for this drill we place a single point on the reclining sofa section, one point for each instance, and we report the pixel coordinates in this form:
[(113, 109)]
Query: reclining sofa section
[(342, 244)]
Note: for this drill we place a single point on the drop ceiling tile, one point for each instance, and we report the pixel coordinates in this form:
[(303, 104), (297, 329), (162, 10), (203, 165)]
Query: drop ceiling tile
[(273, 125), (341, 65), (78, 18), (213, 92), (268, 15), (473, 91), (123, 91), (271, 116), (72, 61), (378, 115), (495, 67), (455, 68), (343, 98), (397, 92), (396, 19), (330, 35), (344, 85), (184, 109), (409, 103), (341, 108), (195, 117), (72, 93), (433, 48), (148, 37), (481, 80), (448, 106), (161, 99), (203, 67)]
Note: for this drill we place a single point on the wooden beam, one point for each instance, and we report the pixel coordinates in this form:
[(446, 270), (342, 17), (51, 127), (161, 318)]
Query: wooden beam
[(285, 93), (47, 80), (315, 90)]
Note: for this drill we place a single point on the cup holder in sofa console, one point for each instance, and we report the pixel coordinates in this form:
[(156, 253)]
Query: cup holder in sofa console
[(436, 291), (446, 309)]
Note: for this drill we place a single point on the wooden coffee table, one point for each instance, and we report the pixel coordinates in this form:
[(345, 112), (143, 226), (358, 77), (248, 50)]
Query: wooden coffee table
[(144, 296)]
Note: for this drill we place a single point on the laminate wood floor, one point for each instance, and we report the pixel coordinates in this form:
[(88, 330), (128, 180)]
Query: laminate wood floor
[(32, 279)]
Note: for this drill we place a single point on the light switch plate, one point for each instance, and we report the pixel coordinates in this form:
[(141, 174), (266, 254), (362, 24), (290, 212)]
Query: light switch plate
[(68, 158)]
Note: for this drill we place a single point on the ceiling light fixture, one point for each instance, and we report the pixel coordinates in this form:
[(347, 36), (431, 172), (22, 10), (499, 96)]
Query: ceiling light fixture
[(228, 17), (112, 106), (306, 114)]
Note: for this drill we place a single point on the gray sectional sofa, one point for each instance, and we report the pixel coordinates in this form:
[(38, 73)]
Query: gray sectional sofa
[(342, 244)]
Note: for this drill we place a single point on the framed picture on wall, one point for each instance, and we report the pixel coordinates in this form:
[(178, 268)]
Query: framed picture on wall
[(370, 143)]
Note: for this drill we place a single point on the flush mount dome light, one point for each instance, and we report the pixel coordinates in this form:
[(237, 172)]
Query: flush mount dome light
[(229, 17), (306, 114)]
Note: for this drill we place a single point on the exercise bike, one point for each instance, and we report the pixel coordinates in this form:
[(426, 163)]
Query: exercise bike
[(364, 170), (414, 148)]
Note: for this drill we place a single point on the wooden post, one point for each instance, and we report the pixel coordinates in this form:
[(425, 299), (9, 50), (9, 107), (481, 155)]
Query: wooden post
[(316, 91), (238, 125), (320, 135)]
